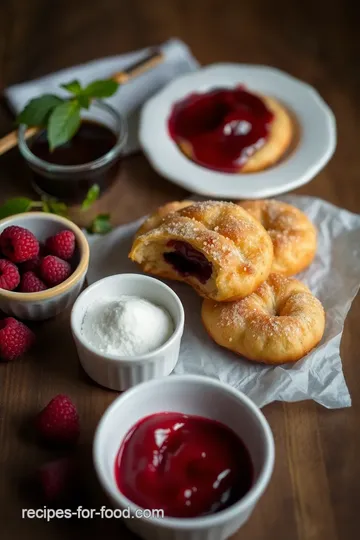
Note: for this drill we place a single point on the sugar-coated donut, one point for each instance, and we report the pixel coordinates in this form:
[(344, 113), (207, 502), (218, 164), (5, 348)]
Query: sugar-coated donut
[(278, 141), (293, 235), (157, 217), (216, 247), (280, 322)]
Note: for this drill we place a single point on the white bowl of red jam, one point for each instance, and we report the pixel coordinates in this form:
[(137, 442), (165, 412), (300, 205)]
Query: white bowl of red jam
[(238, 131), (184, 458)]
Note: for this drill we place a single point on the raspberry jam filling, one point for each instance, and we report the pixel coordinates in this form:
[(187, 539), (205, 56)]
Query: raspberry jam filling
[(187, 261), (187, 466), (222, 128)]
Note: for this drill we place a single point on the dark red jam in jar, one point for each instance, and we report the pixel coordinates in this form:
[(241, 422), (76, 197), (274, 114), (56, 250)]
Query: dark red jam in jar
[(92, 141), (188, 466), (222, 128)]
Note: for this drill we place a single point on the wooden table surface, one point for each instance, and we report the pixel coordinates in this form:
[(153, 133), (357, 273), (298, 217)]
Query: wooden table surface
[(314, 492)]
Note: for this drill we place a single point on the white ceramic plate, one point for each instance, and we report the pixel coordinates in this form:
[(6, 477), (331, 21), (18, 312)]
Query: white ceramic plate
[(316, 135)]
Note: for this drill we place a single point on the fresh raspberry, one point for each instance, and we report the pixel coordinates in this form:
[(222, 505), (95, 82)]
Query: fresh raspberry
[(59, 421), (62, 245), (18, 244), (9, 275), (54, 270), (31, 266), (15, 338), (31, 283), (57, 478)]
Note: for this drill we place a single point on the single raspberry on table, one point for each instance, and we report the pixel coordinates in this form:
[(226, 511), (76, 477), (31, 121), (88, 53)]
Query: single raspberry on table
[(57, 478), (18, 244), (9, 275), (31, 283), (58, 422), (62, 244), (15, 338), (54, 270)]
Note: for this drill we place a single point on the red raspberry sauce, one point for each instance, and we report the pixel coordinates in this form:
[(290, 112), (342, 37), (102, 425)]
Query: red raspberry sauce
[(223, 127), (186, 465)]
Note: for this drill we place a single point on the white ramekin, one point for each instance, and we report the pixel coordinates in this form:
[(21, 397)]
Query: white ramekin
[(189, 394), (119, 372), (46, 304)]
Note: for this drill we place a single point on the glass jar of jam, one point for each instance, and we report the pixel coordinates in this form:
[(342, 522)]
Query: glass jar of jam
[(91, 157)]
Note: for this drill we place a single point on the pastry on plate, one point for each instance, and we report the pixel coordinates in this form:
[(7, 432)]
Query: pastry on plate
[(280, 322), (293, 235), (278, 141), (231, 130), (216, 247)]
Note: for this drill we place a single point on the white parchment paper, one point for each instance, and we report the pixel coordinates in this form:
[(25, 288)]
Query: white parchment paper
[(334, 277)]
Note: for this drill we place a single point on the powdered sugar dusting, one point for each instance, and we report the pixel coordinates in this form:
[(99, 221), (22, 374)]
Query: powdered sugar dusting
[(280, 307)]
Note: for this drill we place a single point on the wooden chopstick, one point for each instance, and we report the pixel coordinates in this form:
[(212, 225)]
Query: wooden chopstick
[(122, 77), (139, 68), (10, 140)]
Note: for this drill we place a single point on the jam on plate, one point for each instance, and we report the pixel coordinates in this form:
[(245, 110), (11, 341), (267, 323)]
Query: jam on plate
[(222, 128)]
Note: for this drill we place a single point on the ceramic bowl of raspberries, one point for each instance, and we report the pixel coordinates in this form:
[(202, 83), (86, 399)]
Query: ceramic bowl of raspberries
[(43, 263)]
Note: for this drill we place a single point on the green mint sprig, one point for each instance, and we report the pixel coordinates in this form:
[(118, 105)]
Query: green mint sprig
[(91, 196), (61, 116), (18, 205), (100, 225)]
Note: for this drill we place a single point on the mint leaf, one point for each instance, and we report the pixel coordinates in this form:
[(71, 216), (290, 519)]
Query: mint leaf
[(84, 101), (100, 225), (37, 111), (101, 89), (64, 122), (45, 206), (91, 196), (73, 86), (58, 208), (17, 205), (52, 206)]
